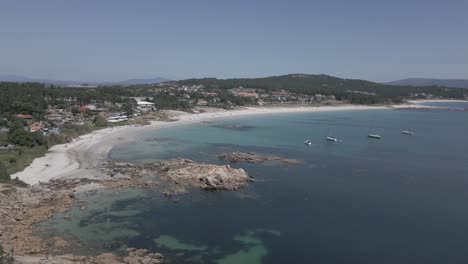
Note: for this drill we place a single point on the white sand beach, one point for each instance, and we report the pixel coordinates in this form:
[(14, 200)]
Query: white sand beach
[(436, 101), (417, 104), (80, 158)]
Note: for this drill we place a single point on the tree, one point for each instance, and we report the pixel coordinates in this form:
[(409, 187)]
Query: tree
[(100, 121), (128, 106), (88, 113), (4, 176), (75, 110), (3, 122), (19, 136)]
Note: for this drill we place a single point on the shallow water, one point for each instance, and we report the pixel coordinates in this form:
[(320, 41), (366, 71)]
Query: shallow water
[(401, 199), (455, 104)]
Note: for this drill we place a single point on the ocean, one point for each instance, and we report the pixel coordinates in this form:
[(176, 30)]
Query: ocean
[(400, 199)]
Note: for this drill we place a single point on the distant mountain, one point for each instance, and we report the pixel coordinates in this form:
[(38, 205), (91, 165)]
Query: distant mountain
[(141, 81), (455, 83), (17, 78)]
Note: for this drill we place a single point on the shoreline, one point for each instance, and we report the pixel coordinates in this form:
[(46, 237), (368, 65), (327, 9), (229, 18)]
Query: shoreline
[(83, 166), (437, 101), (81, 157)]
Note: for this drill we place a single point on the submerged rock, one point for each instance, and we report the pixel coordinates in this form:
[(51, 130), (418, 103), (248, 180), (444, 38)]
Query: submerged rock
[(251, 157), (135, 256)]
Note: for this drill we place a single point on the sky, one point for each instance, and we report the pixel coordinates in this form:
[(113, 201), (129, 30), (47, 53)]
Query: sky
[(111, 40)]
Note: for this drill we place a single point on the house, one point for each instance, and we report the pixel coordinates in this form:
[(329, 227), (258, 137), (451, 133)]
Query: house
[(58, 116), (208, 94), (37, 126), (83, 108), (21, 116), (91, 107), (202, 102), (280, 95), (53, 130), (248, 94), (144, 106), (117, 118), (142, 98), (6, 146)]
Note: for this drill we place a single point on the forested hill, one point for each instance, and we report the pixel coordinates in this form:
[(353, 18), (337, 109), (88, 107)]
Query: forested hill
[(329, 85), (456, 83)]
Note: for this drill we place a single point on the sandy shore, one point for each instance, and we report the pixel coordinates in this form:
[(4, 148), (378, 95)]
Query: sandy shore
[(416, 104), (79, 158), (436, 101)]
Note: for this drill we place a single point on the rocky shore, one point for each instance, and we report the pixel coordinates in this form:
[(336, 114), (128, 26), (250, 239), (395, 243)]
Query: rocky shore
[(134, 256), (23, 208)]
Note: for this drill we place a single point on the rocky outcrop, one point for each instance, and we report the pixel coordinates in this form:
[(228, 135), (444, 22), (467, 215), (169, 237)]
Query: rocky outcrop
[(136, 256), (251, 157), (205, 176), (185, 172)]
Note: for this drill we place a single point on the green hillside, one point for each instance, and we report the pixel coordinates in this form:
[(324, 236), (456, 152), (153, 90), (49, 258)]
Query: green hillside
[(357, 91)]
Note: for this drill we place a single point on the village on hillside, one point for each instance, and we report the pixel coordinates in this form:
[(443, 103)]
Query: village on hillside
[(36, 116)]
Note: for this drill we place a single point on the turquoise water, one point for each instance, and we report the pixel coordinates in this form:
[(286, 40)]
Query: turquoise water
[(456, 104), (401, 199)]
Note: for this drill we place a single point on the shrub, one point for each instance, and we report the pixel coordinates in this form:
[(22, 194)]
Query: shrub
[(4, 176), (100, 121), (6, 257)]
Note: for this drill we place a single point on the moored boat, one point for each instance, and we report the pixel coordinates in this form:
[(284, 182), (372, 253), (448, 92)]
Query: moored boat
[(408, 132), (377, 136)]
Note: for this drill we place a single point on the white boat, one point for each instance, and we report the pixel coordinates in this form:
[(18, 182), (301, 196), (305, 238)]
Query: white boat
[(373, 135), (308, 142), (377, 136), (330, 137), (408, 132)]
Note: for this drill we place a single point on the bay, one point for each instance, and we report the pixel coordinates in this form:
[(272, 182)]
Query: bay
[(401, 199)]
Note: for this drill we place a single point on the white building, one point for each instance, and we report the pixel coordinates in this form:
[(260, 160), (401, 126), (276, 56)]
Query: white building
[(144, 106)]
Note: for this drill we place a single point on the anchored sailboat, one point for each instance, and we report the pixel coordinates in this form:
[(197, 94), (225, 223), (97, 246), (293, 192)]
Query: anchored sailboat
[(373, 135), (331, 138), (408, 132), (377, 136)]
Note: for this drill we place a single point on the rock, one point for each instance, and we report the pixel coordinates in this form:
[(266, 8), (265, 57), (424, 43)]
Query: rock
[(181, 172), (206, 176), (251, 157), (107, 258), (60, 242)]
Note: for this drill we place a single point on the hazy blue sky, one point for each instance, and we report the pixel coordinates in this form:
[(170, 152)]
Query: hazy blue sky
[(114, 40)]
